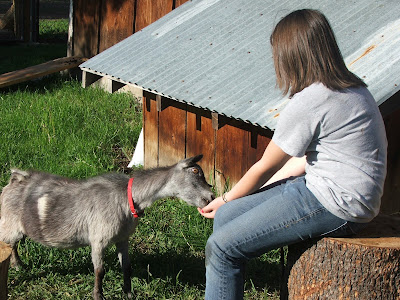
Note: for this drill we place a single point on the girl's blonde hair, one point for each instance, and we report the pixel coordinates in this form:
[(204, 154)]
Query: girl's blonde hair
[(305, 51)]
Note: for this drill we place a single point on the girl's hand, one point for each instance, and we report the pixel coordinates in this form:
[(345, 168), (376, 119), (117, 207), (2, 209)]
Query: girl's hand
[(210, 210), (272, 160)]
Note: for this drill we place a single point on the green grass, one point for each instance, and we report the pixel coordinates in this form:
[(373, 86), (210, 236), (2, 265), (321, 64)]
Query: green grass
[(14, 57), (53, 31), (54, 125), (62, 128), (53, 38)]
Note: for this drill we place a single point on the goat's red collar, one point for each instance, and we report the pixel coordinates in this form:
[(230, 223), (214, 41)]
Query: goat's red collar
[(130, 200)]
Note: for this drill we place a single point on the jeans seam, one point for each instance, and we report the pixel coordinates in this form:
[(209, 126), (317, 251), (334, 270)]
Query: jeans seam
[(337, 228), (222, 292), (280, 226)]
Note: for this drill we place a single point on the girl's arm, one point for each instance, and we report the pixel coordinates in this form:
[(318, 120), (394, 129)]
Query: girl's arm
[(295, 166), (273, 159)]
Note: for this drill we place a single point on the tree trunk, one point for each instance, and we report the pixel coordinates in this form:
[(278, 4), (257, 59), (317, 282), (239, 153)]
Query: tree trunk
[(5, 253), (366, 266)]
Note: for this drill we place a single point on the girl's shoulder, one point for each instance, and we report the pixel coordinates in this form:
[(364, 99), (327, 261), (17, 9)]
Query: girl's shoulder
[(310, 98), (318, 94), (316, 89)]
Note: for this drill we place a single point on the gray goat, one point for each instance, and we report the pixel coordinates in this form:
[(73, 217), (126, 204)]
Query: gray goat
[(65, 213)]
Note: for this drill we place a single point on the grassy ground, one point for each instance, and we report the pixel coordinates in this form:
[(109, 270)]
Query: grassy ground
[(56, 126)]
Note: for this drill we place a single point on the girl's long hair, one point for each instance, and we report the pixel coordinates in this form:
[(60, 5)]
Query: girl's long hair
[(305, 51)]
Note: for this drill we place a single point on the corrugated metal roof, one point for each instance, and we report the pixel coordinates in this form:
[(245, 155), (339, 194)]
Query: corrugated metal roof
[(215, 54)]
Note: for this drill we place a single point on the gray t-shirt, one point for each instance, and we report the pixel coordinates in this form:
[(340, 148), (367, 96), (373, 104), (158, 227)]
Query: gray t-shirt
[(343, 136)]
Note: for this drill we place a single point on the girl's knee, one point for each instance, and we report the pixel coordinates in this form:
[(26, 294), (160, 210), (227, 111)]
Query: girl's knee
[(214, 248), (210, 246), (222, 216)]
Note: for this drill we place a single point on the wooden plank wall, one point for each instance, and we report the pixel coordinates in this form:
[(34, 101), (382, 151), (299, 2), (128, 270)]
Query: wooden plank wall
[(149, 11), (174, 131), (200, 139), (86, 28), (150, 130), (97, 25), (171, 131), (116, 22), (238, 147)]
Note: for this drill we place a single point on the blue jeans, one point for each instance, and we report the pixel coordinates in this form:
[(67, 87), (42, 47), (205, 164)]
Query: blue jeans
[(280, 214)]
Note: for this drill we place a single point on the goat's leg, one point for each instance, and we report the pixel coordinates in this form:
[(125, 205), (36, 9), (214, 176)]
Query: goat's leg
[(123, 256), (11, 236), (97, 259), (15, 260)]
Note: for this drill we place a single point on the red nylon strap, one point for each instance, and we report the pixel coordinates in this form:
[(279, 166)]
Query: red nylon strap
[(130, 200)]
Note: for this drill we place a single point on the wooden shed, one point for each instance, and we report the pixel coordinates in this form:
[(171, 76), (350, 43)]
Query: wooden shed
[(205, 75), (19, 20), (97, 25)]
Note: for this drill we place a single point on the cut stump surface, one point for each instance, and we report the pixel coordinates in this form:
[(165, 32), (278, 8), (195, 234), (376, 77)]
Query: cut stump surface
[(366, 266)]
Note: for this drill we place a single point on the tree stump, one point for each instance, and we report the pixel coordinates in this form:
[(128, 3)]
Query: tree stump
[(5, 253), (366, 266)]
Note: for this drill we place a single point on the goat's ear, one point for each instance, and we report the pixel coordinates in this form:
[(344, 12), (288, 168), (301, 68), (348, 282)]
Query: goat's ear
[(188, 162), (18, 175)]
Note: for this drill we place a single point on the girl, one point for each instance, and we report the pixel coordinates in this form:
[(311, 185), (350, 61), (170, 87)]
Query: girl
[(326, 159)]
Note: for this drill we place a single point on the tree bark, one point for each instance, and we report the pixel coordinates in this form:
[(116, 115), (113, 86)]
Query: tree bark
[(5, 253), (366, 266)]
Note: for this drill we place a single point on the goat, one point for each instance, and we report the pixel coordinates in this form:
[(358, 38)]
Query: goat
[(65, 213)]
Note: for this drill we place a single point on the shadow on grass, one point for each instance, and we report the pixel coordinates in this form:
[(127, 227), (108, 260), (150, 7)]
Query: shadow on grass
[(42, 85), (183, 267), (191, 269)]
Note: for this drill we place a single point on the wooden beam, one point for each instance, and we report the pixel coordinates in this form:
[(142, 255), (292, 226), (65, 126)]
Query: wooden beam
[(116, 85), (107, 83), (89, 78), (41, 70), (218, 121), (162, 103)]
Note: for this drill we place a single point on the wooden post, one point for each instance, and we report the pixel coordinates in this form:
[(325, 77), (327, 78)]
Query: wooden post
[(5, 253), (363, 267)]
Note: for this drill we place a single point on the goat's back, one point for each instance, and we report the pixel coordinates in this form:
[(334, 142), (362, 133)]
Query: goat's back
[(62, 212)]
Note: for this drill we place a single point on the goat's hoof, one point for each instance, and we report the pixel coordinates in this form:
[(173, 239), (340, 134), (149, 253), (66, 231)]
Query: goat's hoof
[(129, 295), (17, 264)]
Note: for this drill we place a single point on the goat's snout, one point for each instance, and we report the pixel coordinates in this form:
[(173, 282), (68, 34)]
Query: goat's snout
[(205, 201)]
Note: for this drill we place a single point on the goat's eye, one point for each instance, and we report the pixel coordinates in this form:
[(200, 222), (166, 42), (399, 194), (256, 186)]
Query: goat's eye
[(195, 170)]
